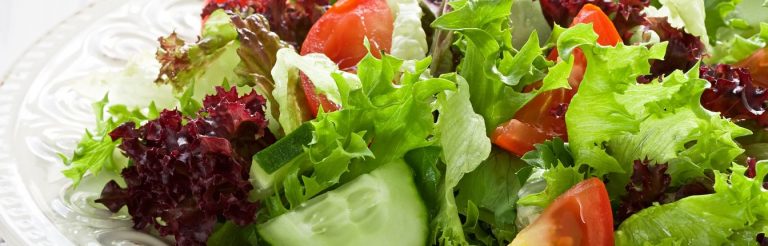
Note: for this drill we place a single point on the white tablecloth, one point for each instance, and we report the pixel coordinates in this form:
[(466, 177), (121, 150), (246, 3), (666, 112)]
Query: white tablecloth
[(22, 22)]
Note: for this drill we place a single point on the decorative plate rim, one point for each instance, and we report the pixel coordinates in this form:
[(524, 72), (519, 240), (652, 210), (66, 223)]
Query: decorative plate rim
[(21, 224)]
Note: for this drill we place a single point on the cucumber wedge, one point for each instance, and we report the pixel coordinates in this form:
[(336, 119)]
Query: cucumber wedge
[(284, 150), (379, 208), (271, 165)]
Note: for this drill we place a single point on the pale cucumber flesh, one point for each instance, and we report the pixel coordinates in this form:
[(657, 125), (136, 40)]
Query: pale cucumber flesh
[(379, 208)]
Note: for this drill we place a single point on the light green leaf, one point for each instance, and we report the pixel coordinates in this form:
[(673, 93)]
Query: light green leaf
[(409, 41), (559, 179), (687, 14), (663, 122), (737, 207)]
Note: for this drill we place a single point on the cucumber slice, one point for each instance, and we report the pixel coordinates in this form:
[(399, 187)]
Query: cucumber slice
[(379, 208), (284, 150), (270, 166), (264, 183)]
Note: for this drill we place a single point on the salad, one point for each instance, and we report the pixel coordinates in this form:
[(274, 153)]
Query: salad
[(463, 122)]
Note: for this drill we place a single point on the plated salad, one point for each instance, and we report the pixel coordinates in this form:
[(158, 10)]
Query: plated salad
[(464, 122)]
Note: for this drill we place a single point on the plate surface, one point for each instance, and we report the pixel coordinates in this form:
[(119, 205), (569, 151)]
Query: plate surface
[(45, 104)]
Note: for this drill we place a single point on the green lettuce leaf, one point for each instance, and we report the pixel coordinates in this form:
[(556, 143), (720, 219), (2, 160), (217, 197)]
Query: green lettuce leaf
[(427, 176), (559, 179), (409, 41), (739, 48), (461, 134), (229, 233), (288, 92), (379, 122), (496, 84), (613, 121), (493, 188), (526, 17), (737, 28), (96, 152), (204, 65), (549, 154), (258, 55), (690, 15), (734, 213)]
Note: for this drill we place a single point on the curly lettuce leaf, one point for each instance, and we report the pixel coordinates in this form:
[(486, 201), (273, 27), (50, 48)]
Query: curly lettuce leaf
[(559, 179), (232, 50), (734, 213), (595, 115), (97, 152), (258, 55), (683, 133), (204, 65), (549, 154), (613, 121), (496, 84), (379, 122)]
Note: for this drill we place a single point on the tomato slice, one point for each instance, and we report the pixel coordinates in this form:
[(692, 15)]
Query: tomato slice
[(515, 136), (339, 34), (757, 64), (546, 112), (580, 216)]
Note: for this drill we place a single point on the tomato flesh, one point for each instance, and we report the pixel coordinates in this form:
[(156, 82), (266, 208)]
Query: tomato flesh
[(340, 33), (546, 112), (580, 216), (757, 64), (513, 136)]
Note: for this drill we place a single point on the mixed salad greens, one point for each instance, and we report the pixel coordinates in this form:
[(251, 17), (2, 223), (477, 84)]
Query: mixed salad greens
[(482, 122)]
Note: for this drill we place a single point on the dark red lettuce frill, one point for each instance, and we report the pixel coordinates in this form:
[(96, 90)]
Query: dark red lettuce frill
[(184, 178)]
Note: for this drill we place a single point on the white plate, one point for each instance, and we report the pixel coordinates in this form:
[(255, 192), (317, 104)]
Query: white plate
[(43, 112)]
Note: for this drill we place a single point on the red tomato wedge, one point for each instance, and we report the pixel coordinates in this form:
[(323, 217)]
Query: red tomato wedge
[(339, 34), (580, 216), (546, 112), (510, 134), (757, 64)]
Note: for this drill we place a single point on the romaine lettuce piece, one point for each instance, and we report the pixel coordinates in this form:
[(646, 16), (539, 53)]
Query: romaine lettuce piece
[(461, 134), (409, 41)]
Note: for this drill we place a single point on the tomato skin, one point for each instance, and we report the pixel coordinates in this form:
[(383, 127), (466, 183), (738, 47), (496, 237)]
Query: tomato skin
[(603, 26), (757, 64), (339, 34), (580, 216), (514, 135), (546, 112), (315, 100)]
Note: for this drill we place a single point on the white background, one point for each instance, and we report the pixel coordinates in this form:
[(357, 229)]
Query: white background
[(22, 22)]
